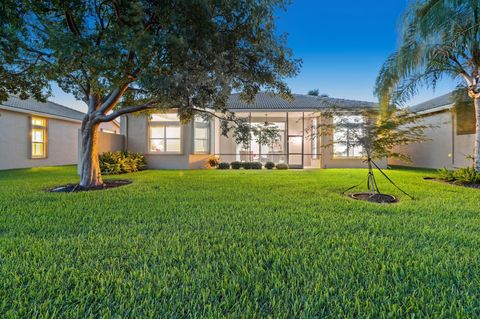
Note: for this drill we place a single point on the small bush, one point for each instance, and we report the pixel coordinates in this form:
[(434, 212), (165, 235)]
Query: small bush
[(236, 165), (446, 174), (466, 175), (269, 165), (252, 165), (112, 163), (224, 165), (282, 166), (212, 162), (256, 165), (247, 165)]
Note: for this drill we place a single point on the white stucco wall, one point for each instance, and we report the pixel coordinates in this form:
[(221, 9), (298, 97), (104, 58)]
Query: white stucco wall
[(444, 148)]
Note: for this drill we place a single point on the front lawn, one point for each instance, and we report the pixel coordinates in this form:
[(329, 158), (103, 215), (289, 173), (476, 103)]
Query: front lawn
[(247, 244)]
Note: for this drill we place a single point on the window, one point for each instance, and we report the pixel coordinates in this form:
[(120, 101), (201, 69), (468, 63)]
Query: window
[(348, 129), (466, 122), (202, 136), (165, 134), (38, 137)]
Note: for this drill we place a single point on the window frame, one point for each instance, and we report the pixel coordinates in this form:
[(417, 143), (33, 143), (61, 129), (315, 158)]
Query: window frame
[(164, 125), (44, 128), (346, 142), (208, 139)]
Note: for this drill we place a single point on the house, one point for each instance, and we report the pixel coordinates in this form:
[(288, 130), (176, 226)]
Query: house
[(450, 138), (167, 144), (40, 134)]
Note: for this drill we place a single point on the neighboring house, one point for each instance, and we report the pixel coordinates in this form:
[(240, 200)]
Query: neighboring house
[(167, 144), (40, 134), (450, 139)]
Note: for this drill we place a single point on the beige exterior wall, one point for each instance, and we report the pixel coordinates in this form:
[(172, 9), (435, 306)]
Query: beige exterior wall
[(15, 141), (444, 148), (136, 130), (108, 142)]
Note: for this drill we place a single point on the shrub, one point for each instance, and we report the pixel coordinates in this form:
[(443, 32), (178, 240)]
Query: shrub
[(247, 165), (236, 165), (212, 162), (119, 162), (252, 165), (446, 174), (256, 165), (224, 165), (282, 166), (466, 175), (269, 165)]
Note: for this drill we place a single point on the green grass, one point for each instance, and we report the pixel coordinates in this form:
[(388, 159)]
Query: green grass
[(279, 244)]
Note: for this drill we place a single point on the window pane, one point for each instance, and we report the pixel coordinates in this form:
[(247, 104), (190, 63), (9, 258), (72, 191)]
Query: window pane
[(167, 117), (173, 145), (173, 132), (201, 146), (356, 151), (347, 133), (201, 132), (157, 132), (38, 135), (36, 121), (38, 150), (157, 146), (339, 150)]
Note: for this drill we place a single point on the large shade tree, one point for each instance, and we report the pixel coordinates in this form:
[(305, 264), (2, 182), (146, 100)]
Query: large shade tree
[(125, 56), (439, 38)]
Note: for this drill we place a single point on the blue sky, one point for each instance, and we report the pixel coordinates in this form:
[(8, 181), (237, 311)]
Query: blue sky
[(342, 44)]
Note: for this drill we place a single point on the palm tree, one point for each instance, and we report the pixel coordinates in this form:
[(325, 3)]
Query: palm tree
[(439, 38)]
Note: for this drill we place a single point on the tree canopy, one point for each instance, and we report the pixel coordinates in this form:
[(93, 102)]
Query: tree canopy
[(125, 56), (177, 53), (439, 38)]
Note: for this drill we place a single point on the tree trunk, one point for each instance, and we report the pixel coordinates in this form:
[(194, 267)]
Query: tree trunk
[(90, 175), (476, 146)]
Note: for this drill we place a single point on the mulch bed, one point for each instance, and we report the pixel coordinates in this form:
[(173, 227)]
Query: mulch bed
[(469, 185), (374, 198), (70, 188)]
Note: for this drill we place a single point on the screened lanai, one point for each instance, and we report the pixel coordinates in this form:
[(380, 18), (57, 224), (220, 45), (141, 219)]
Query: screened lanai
[(297, 121), (296, 145)]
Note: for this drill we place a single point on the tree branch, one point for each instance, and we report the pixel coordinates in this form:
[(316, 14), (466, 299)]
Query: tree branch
[(113, 99), (71, 23), (126, 110)]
